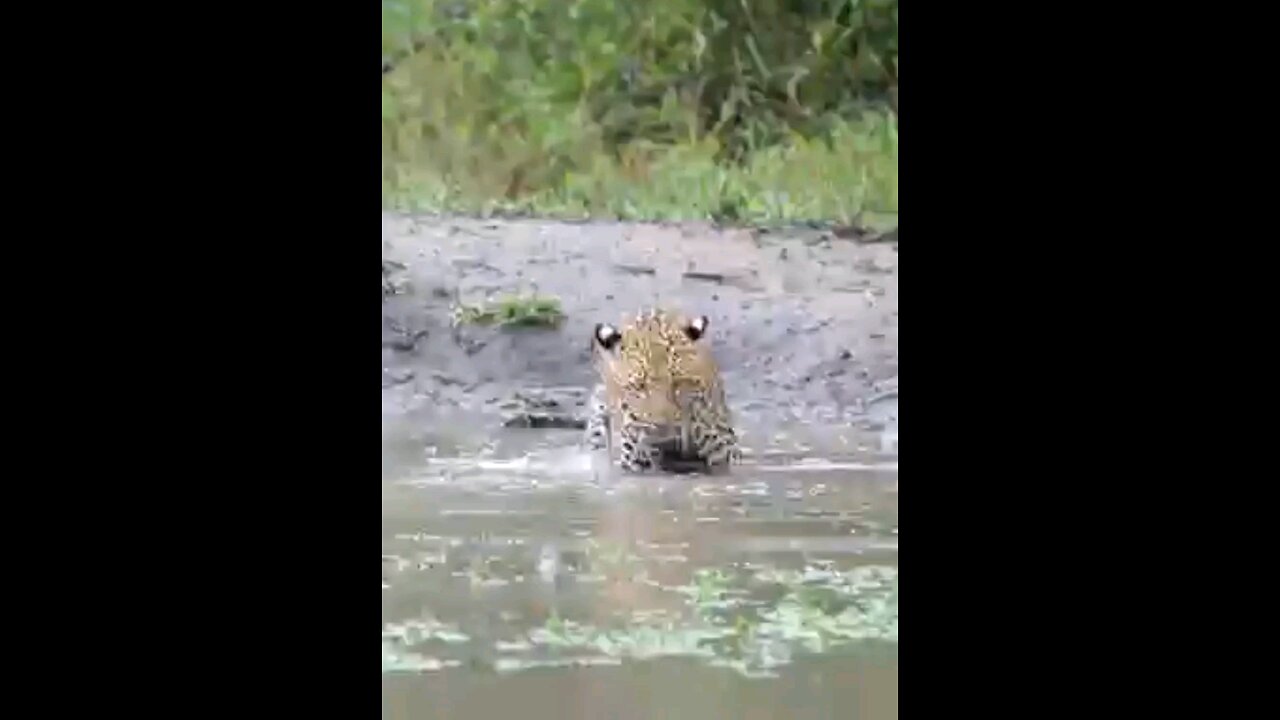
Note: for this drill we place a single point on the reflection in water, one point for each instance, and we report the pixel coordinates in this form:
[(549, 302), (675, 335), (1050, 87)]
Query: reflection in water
[(520, 562)]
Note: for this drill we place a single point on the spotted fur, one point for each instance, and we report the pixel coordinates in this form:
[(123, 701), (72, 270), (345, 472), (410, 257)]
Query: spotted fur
[(660, 395)]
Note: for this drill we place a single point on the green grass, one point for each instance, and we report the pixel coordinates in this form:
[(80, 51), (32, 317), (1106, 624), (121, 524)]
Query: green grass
[(513, 311), (649, 110), (853, 173)]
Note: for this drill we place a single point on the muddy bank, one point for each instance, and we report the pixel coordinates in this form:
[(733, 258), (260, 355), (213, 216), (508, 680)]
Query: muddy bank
[(805, 323)]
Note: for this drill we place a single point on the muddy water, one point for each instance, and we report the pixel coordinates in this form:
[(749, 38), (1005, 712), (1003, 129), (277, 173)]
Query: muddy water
[(521, 580)]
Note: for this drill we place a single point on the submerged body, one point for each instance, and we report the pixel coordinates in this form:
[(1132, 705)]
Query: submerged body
[(661, 394)]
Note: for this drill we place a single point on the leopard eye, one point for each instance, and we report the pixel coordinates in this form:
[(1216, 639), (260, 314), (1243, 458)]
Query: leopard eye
[(607, 335), (697, 327)]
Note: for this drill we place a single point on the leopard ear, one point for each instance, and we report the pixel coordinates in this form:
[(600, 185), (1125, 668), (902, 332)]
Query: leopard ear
[(607, 335), (697, 327)]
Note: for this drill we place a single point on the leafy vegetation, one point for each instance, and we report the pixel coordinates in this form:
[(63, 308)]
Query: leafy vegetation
[(768, 110), (512, 311)]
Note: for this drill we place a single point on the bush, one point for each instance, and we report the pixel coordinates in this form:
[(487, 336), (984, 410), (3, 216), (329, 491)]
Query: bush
[(641, 108)]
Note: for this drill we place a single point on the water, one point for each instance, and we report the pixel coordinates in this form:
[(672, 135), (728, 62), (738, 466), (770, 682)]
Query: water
[(518, 581)]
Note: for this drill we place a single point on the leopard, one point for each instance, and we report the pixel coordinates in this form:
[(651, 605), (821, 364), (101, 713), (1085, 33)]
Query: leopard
[(660, 391)]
